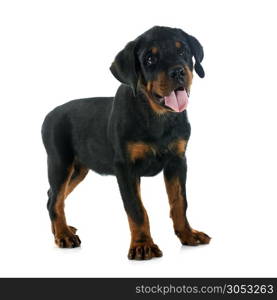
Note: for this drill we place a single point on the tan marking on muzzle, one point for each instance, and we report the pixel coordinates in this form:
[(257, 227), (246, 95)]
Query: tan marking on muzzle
[(189, 78), (178, 45), (161, 85)]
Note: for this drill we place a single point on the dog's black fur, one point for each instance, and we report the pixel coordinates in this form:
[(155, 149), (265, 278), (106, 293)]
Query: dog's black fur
[(130, 135)]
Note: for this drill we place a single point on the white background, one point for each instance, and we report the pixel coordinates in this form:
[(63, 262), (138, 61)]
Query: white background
[(55, 51)]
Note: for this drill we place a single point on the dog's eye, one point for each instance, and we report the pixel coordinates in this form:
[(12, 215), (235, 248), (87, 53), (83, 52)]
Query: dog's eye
[(150, 60), (184, 52)]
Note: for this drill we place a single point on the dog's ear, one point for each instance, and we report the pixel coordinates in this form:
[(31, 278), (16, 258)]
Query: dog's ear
[(198, 53), (125, 66)]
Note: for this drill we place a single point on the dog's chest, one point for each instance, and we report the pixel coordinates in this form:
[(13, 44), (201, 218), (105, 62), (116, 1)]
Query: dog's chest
[(149, 158)]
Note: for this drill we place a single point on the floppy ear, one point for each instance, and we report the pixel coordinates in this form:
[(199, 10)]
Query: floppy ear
[(198, 53), (124, 67)]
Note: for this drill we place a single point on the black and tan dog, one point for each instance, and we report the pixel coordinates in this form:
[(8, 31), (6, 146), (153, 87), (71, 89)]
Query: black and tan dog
[(142, 130)]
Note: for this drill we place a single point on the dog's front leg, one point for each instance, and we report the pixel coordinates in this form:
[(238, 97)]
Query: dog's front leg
[(175, 180), (142, 246)]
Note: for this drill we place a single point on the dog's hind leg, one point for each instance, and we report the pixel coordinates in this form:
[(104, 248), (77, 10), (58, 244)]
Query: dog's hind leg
[(78, 175), (63, 178)]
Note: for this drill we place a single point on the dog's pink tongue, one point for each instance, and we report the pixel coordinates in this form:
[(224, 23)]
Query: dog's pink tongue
[(177, 101)]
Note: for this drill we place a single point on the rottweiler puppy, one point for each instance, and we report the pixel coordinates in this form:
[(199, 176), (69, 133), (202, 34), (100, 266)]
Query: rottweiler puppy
[(141, 131)]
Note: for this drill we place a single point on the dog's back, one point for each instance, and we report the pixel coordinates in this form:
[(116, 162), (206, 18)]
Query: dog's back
[(66, 129)]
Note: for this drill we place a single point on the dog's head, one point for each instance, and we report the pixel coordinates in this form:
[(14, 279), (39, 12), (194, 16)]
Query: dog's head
[(160, 63)]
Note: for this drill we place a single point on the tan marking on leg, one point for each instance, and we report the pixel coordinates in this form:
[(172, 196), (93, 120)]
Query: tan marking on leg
[(65, 235), (185, 233), (142, 245), (59, 224), (137, 230), (75, 181), (176, 202)]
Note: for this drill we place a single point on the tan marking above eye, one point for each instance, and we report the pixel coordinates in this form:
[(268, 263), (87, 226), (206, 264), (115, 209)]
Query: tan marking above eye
[(154, 50), (178, 44)]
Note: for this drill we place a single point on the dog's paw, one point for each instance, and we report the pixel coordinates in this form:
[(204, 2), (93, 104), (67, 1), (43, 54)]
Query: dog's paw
[(193, 237), (144, 251), (68, 238)]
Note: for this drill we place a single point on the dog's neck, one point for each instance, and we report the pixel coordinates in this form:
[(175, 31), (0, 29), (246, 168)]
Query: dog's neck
[(151, 120)]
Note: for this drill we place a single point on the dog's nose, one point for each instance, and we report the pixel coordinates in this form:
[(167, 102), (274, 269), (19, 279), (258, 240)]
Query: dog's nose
[(177, 73)]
